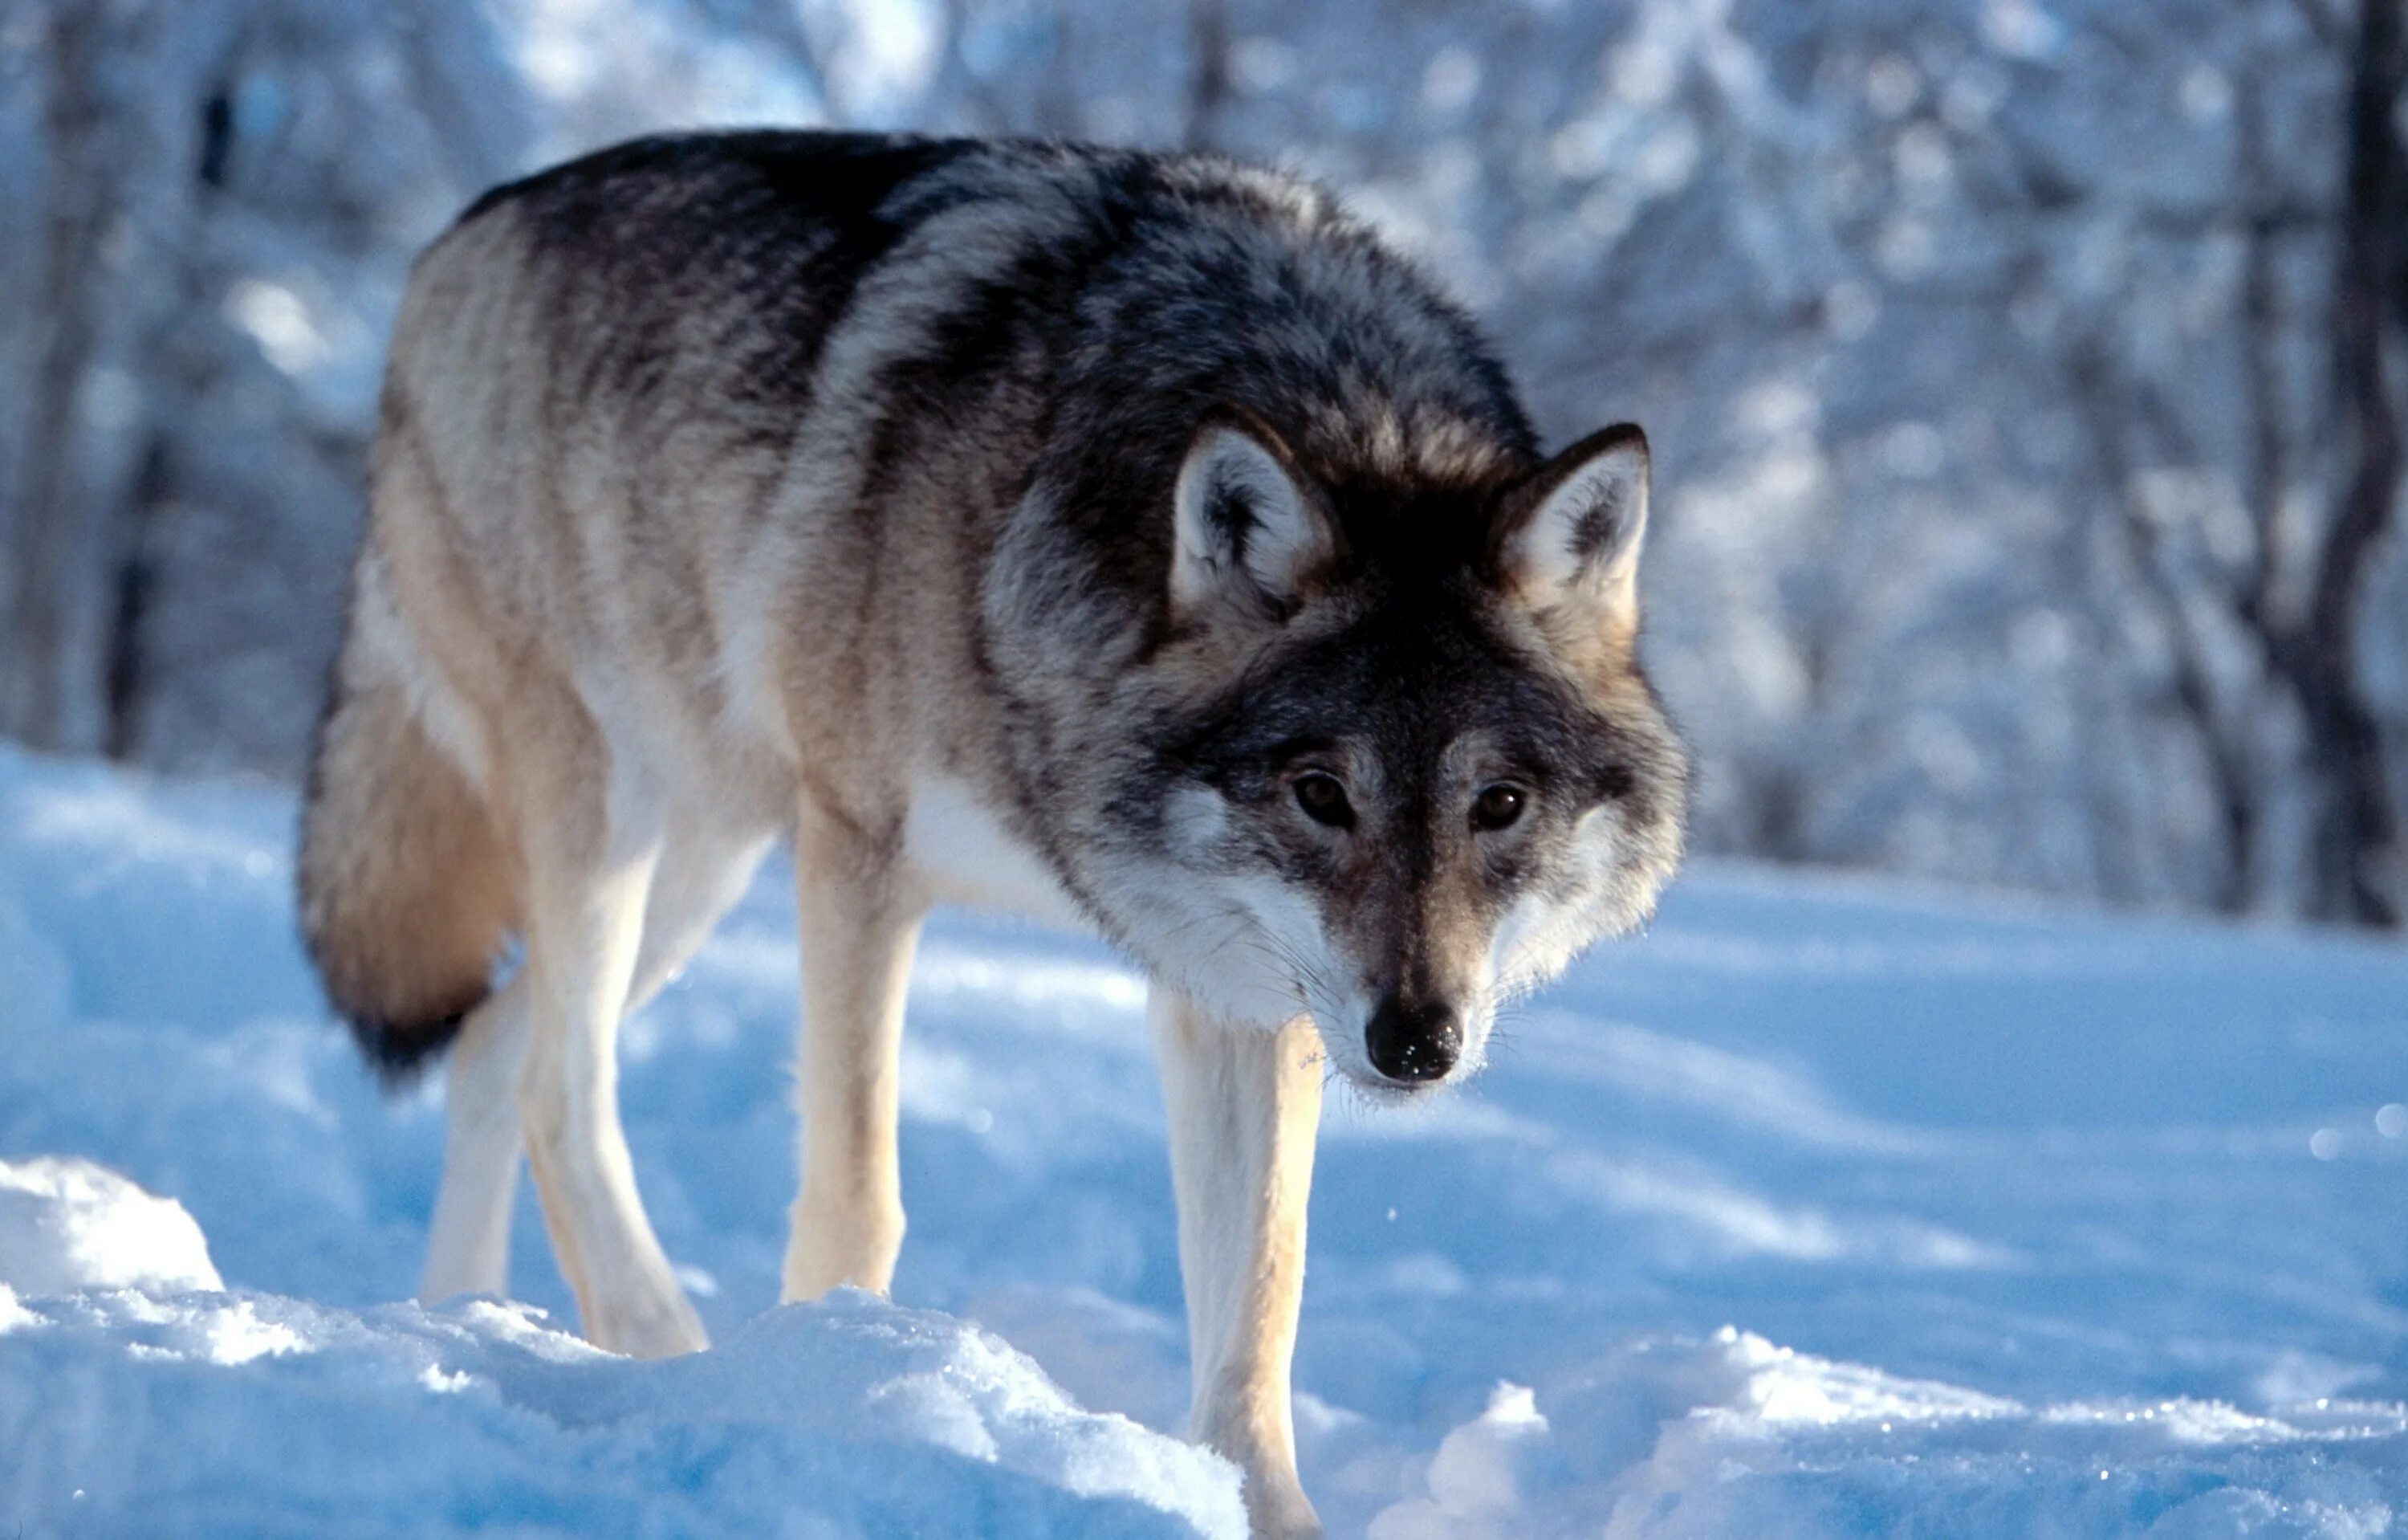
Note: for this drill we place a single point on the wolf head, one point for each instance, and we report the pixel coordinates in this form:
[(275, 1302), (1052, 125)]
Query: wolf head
[(1401, 763)]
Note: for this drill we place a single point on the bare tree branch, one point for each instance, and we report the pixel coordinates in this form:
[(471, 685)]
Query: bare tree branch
[(2107, 405)]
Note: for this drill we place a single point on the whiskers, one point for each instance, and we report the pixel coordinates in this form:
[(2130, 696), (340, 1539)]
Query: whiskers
[(1501, 999)]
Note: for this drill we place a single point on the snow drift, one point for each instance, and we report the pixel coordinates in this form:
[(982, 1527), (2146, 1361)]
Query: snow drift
[(138, 1396)]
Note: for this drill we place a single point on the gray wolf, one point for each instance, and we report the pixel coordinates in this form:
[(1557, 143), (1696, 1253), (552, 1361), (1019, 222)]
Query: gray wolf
[(1127, 540)]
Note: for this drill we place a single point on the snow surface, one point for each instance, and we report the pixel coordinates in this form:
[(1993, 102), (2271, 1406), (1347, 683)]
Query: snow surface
[(1826, 1209)]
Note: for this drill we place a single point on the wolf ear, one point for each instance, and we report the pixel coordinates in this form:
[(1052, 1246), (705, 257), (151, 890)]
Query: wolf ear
[(1248, 532), (1567, 539)]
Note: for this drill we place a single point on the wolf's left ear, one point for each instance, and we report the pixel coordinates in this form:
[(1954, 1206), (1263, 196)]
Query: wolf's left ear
[(1249, 531), (1567, 539)]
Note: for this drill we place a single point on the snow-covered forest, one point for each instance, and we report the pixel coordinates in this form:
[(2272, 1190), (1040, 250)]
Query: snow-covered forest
[(2026, 376)]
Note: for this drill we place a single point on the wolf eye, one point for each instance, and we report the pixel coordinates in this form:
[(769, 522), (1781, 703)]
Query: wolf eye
[(1496, 807), (1324, 800)]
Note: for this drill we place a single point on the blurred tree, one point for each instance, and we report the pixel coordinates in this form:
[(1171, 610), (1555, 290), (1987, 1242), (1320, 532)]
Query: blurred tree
[(2025, 374), (2317, 474), (2358, 869), (49, 527), (227, 193)]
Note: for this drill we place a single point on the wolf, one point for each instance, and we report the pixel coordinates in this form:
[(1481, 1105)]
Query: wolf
[(1130, 541)]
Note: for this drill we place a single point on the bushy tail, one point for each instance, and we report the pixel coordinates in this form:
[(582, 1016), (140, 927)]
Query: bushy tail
[(404, 886)]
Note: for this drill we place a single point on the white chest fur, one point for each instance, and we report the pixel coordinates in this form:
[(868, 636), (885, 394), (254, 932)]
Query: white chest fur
[(966, 856)]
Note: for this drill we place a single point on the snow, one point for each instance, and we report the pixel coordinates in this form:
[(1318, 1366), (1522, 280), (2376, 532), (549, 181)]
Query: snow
[(1827, 1208), (71, 1225), (215, 1413)]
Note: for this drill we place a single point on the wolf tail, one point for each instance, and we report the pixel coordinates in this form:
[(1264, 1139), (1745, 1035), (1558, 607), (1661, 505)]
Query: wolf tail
[(405, 883)]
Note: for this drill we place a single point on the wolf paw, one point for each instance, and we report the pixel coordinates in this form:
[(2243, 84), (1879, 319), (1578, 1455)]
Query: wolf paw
[(646, 1327), (1277, 1508)]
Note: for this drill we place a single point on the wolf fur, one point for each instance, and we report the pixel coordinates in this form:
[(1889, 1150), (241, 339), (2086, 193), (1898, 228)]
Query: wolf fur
[(1128, 539)]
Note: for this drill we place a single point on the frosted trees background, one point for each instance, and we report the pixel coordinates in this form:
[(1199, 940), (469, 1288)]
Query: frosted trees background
[(2026, 376)]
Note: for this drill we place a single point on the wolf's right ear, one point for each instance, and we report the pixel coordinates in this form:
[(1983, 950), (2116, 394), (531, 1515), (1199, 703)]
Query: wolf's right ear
[(1249, 533)]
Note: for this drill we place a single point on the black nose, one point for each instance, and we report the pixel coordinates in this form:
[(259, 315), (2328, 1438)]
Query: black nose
[(1412, 1043)]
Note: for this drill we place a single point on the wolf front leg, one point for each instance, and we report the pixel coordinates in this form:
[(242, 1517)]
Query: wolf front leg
[(1244, 1105), (857, 930)]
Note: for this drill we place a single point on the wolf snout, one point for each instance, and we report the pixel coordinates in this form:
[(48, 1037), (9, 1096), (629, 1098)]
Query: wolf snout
[(1414, 1043)]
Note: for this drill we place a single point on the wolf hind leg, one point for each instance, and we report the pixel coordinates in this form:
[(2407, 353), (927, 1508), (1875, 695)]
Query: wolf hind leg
[(857, 929), (469, 1243), (1243, 1107), (592, 848), (701, 875)]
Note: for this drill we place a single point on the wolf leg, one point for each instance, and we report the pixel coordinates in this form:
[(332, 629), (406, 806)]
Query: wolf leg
[(701, 875), (857, 932), (585, 923), (468, 1244), (1243, 1106)]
